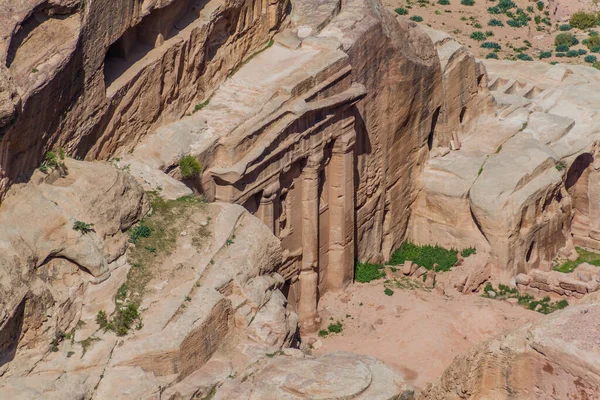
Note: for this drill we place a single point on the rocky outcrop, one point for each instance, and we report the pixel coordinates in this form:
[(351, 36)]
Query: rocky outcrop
[(584, 279), (521, 183), (555, 358), (294, 376), (47, 264), (210, 293), (96, 75)]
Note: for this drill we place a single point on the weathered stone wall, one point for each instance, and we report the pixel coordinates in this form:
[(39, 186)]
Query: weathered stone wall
[(392, 122), (90, 98)]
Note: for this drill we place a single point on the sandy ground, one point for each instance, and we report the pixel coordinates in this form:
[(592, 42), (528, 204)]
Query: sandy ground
[(460, 21), (416, 331)]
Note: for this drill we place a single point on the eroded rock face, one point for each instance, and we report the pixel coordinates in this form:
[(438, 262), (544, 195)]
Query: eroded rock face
[(555, 358), (332, 376), (46, 263), (523, 181), (120, 68)]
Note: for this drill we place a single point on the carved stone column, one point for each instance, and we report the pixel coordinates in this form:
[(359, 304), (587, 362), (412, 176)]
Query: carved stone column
[(267, 206), (340, 271), (308, 279)]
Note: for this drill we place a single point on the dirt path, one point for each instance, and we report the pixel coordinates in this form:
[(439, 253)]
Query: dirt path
[(417, 332)]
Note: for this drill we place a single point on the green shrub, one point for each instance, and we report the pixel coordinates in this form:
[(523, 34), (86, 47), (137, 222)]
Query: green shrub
[(530, 9), (83, 227), (540, 5), (494, 10), (189, 166), (582, 52), (139, 231), (592, 41), (444, 2), (537, 20), (572, 53), (417, 18), (566, 39), (323, 333), (565, 27), (495, 22), (467, 2), (491, 45), (478, 35), (388, 292), (545, 54), (401, 11), (506, 5), (562, 48), (335, 328), (425, 256), (468, 251), (492, 55), (560, 55), (595, 49), (489, 33), (583, 20), (477, 25), (590, 59), (365, 272), (524, 57)]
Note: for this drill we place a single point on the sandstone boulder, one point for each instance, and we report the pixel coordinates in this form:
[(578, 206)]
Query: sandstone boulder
[(555, 358), (334, 375)]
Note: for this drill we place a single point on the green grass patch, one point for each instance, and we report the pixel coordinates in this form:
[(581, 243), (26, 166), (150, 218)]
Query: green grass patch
[(155, 238), (468, 251), (584, 256), (544, 306), (189, 166), (425, 256), (388, 291), (365, 272)]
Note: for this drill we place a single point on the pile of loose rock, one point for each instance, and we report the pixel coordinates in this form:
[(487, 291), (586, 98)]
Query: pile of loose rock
[(584, 279), (412, 270)]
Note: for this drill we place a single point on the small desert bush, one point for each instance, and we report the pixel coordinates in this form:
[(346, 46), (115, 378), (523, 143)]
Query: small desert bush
[(583, 20), (495, 22), (540, 5), (545, 54), (492, 55), (467, 2), (566, 39), (562, 48), (189, 166), (478, 35), (524, 57), (468, 251), (401, 11), (590, 59), (565, 27), (491, 45), (83, 227)]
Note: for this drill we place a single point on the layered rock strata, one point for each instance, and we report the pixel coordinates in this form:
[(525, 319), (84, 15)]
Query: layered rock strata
[(555, 358), (521, 186)]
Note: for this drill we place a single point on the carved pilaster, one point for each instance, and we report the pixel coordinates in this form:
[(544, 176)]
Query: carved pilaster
[(307, 307), (340, 271)]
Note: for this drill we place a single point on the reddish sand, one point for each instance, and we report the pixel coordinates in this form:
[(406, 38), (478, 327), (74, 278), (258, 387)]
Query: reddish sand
[(417, 332)]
